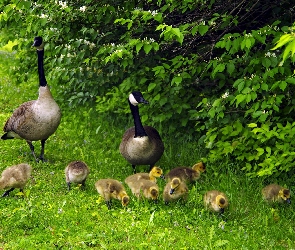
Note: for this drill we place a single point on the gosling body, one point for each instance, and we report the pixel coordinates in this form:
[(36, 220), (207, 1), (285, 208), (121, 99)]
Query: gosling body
[(187, 174), (155, 173), (15, 177), (175, 190), (276, 193), (76, 172), (216, 201), (112, 189)]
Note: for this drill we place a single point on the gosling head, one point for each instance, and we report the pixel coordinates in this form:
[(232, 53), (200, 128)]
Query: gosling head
[(200, 166), (154, 193), (174, 185), (221, 203), (157, 172), (125, 200), (285, 195), (38, 43), (136, 97)]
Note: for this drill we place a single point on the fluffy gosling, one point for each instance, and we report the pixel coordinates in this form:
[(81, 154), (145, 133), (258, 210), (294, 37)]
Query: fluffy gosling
[(112, 189), (145, 188), (175, 190), (155, 173), (76, 172), (276, 193), (187, 174), (215, 201), (15, 177)]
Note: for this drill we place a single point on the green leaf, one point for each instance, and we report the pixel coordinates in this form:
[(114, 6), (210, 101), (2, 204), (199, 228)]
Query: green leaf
[(252, 125), (147, 48), (203, 29), (151, 86), (194, 30), (230, 68), (138, 46), (283, 40), (290, 48), (282, 85), (239, 99)]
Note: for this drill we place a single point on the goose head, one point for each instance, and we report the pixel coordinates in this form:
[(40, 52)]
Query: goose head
[(285, 195), (136, 97), (38, 43), (174, 185), (154, 193)]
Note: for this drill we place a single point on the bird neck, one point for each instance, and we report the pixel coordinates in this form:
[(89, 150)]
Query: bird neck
[(42, 79), (139, 130)]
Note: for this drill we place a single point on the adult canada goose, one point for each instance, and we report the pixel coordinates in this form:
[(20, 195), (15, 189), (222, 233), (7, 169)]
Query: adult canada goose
[(35, 120), (175, 190), (143, 187), (155, 173), (76, 172), (112, 189), (15, 177), (141, 145), (276, 193), (187, 174), (215, 201)]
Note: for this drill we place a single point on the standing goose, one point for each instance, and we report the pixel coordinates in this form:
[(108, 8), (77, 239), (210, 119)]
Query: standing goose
[(38, 119), (141, 145)]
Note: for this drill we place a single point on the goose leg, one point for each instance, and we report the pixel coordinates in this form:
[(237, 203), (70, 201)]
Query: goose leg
[(41, 157), (7, 192), (32, 149), (134, 169)]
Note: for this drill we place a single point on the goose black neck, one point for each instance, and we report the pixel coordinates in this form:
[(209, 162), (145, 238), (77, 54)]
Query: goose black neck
[(139, 130), (42, 79)]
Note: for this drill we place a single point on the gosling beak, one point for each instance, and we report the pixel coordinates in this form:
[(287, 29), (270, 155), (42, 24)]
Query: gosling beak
[(288, 201), (172, 190), (156, 201), (221, 211), (162, 177)]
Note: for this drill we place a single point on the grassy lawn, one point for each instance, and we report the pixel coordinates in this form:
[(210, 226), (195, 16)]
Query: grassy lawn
[(50, 217)]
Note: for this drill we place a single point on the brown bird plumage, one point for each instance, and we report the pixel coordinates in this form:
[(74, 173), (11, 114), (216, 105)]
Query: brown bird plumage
[(112, 189), (187, 174), (276, 193), (140, 145), (15, 177), (38, 119), (76, 172)]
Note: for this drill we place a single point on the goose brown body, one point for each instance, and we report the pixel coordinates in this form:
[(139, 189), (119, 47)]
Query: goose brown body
[(175, 190), (112, 189), (76, 172), (187, 174), (276, 193), (140, 145), (15, 177), (38, 119), (215, 201)]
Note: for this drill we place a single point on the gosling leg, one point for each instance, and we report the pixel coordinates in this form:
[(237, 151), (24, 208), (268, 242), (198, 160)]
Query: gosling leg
[(69, 186)]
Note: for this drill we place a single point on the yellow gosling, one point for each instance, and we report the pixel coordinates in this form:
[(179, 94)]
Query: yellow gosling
[(175, 190), (276, 193), (15, 177), (215, 201), (112, 189)]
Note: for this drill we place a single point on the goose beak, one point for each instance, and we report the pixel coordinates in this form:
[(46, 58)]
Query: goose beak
[(142, 100), (162, 177), (172, 190), (288, 201)]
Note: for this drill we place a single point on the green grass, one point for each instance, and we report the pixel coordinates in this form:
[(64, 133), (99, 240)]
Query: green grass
[(50, 217)]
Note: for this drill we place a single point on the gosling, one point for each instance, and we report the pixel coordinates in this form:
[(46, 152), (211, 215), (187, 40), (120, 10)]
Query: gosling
[(76, 172), (175, 190), (144, 188), (215, 201), (155, 173), (15, 177), (187, 174), (112, 189), (276, 193)]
